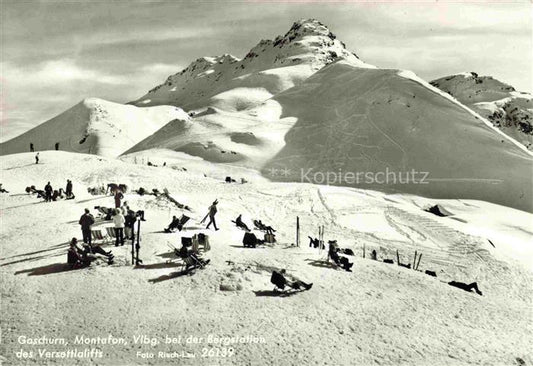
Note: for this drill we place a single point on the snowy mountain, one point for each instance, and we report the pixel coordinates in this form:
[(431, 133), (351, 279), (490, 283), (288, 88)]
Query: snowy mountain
[(267, 69), (303, 103), (353, 120), (507, 109), (95, 126), (294, 123)]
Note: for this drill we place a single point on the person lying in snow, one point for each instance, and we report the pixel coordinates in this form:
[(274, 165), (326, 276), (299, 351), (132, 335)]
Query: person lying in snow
[(83, 256), (280, 281), (238, 222), (341, 261), (32, 189), (466, 287)]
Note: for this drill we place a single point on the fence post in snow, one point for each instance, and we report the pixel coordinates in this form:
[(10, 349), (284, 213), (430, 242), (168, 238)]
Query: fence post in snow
[(398, 256), (297, 231)]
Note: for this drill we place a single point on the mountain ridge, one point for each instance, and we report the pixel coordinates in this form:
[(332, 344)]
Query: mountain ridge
[(508, 110)]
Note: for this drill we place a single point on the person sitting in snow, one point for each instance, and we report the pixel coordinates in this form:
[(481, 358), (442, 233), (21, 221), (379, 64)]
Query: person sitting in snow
[(75, 258), (95, 249), (240, 224), (185, 253), (2, 190), (280, 281), (82, 256), (173, 224), (268, 229), (106, 212), (341, 261)]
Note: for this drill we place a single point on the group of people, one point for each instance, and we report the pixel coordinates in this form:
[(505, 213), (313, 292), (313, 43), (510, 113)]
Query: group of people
[(49, 194), (32, 148), (123, 220), (82, 255)]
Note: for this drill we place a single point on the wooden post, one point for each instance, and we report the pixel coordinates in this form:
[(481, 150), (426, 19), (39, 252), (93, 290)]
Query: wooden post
[(419, 258), (319, 238), (414, 262), (397, 256), (297, 231), (364, 250)]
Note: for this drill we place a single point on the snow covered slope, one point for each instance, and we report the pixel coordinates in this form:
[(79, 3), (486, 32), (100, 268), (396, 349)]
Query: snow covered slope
[(303, 103), (353, 120), (378, 314), (270, 67), (507, 109), (95, 126)]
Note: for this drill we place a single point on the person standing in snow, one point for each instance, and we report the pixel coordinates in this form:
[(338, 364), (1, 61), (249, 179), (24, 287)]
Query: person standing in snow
[(118, 198), (119, 221), (31, 147), (37, 158), (48, 192), (129, 224), (68, 190), (86, 221), (212, 212)]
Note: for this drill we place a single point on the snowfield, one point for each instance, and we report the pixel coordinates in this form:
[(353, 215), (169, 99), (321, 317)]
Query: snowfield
[(378, 314)]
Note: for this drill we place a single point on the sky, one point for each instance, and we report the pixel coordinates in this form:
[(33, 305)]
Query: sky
[(55, 53)]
